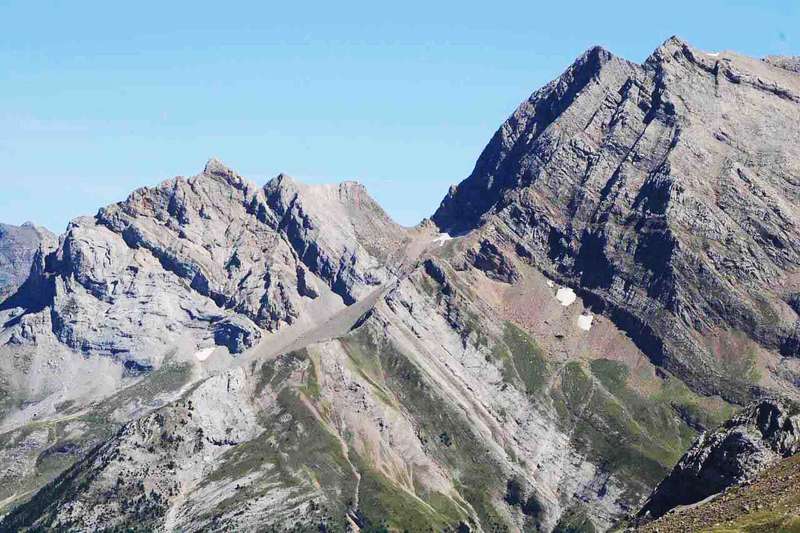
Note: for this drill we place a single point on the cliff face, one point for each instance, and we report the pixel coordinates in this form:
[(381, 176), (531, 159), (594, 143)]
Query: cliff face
[(668, 194), (617, 272), (734, 453), (18, 245), (768, 502)]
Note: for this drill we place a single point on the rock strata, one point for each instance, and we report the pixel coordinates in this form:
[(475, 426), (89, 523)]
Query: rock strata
[(736, 452)]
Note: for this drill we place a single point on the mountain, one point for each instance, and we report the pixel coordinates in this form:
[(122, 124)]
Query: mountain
[(616, 277), (18, 245), (668, 194)]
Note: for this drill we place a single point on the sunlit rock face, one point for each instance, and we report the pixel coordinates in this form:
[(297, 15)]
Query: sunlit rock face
[(669, 193)]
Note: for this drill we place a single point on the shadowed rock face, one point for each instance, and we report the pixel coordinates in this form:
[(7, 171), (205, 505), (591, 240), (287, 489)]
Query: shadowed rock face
[(738, 451), (18, 246), (669, 191)]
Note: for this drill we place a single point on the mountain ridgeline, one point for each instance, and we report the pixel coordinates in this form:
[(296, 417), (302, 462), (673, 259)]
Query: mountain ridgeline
[(561, 344)]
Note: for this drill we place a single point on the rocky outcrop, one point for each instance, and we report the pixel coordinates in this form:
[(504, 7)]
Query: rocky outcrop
[(647, 187), (791, 63), (768, 503), (740, 449), (140, 295), (18, 246)]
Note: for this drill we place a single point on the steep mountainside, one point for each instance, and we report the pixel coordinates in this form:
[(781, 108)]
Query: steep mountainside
[(668, 194), (18, 245), (213, 355), (128, 302)]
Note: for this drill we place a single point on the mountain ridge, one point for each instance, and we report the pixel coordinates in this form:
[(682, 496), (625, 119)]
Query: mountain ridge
[(538, 356)]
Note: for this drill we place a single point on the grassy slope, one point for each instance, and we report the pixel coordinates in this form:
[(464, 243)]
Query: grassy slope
[(638, 436), (76, 431)]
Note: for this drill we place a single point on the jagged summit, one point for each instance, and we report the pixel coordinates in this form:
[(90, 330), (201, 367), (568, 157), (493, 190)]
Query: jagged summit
[(758, 437), (616, 276), (493, 175), (651, 177), (215, 166)]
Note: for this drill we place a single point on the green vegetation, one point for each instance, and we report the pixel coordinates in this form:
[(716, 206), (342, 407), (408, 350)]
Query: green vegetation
[(696, 411), (442, 429), (575, 520), (624, 431), (311, 387), (76, 431), (617, 428), (523, 361), (296, 452), (385, 506), (741, 366)]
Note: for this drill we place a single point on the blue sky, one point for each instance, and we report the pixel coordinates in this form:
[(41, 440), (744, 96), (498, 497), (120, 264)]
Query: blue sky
[(96, 100)]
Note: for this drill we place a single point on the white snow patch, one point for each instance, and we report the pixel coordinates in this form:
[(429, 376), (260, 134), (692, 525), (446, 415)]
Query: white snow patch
[(566, 296), (713, 54), (443, 238), (550, 283), (585, 322), (203, 354)]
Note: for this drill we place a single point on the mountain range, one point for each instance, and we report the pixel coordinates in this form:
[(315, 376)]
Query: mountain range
[(597, 328)]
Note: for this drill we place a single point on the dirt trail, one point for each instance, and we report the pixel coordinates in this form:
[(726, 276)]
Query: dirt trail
[(340, 322), (335, 326)]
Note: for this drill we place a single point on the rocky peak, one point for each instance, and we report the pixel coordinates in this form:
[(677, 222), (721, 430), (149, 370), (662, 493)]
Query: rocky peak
[(790, 63), (216, 169), (18, 247), (623, 212), (738, 451), (214, 251), (536, 123), (647, 187)]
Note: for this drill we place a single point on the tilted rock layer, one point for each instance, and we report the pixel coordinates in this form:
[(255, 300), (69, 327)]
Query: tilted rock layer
[(668, 192), (617, 272), (736, 452)]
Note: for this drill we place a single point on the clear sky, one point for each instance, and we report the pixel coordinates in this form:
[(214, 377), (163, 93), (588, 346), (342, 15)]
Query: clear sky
[(97, 99)]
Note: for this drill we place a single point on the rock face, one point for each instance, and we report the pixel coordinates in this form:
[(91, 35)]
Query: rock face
[(768, 503), (617, 272), (738, 451), (211, 252), (18, 245), (136, 295), (668, 192)]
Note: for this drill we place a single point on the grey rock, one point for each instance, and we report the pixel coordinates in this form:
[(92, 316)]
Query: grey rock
[(362, 363), (18, 246), (791, 63), (735, 453), (647, 187), (236, 333), (492, 262)]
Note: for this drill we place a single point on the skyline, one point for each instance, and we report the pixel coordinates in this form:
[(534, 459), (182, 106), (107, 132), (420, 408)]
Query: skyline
[(96, 102)]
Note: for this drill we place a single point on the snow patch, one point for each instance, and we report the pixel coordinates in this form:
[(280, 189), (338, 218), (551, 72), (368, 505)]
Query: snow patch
[(585, 322), (550, 283), (566, 296), (713, 54), (203, 354), (443, 238)]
